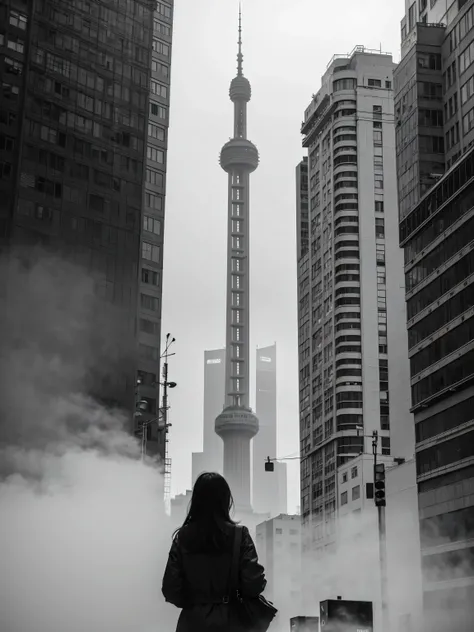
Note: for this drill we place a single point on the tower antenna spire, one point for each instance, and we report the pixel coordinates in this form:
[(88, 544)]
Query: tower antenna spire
[(240, 57)]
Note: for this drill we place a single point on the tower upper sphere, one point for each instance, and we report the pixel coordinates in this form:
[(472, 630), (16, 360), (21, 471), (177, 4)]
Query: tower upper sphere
[(240, 89)]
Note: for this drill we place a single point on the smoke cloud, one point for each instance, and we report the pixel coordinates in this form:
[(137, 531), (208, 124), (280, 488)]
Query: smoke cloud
[(83, 531)]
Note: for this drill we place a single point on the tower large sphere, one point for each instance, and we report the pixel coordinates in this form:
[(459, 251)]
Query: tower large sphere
[(240, 89), (239, 153), (237, 419)]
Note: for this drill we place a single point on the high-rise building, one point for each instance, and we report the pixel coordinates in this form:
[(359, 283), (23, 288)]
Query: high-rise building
[(237, 424), (211, 457), (269, 489), (435, 120), (77, 142), (278, 543), (352, 342)]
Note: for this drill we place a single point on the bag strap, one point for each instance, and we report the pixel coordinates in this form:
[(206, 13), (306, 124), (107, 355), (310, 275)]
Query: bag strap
[(235, 562)]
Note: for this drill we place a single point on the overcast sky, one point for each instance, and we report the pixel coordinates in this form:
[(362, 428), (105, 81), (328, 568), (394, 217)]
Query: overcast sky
[(287, 45)]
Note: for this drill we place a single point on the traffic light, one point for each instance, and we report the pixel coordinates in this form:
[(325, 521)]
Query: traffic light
[(269, 465), (379, 484)]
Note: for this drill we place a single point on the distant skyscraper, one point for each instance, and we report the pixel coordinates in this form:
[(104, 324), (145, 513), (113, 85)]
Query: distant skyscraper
[(211, 457), (269, 489), (83, 159), (237, 424)]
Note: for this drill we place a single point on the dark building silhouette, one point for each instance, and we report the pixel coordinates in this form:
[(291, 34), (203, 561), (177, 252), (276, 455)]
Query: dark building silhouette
[(434, 117), (83, 156)]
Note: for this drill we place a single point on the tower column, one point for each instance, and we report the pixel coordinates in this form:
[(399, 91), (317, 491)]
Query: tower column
[(237, 424)]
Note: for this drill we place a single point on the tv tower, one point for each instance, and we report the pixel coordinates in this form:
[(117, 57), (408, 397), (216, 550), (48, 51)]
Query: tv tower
[(237, 424)]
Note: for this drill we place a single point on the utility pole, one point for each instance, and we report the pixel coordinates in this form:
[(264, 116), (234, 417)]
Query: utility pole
[(380, 503), (161, 420)]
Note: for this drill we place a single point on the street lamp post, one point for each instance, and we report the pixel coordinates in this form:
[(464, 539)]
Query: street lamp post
[(162, 418)]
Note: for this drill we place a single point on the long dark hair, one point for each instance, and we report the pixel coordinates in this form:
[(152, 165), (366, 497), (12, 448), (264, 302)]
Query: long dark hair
[(207, 526)]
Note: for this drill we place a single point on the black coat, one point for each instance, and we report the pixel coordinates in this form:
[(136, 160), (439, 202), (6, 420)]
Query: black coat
[(198, 581)]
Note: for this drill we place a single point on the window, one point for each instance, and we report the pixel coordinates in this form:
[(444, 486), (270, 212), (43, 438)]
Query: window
[(344, 477), (160, 68), (150, 277), (152, 200), (151, 225), (43, 213), (412, 16), (155, 131), (354, 472), (378, 181), (19, 20), (278, 531), (16, 44), (12, 66), (431, 144), (388, 85), (377, 138), (158, 110), (344, 498), (161, 28), (5, 170), (379, 228), (430, 118), (161, 47), (344, 84), (154, 177), (151, 303), (431, 61), (150, 252), (378, 206), (7, 118), (155, 155), (377, 111), (7, 143), (148, 352), (468, 121), (356, 492), (149, 326), (430, 90), (159, 89), (163, 9), (374, 83)]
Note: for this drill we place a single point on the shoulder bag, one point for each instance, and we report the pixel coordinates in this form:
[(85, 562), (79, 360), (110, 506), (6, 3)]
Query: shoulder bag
[(252, 613)]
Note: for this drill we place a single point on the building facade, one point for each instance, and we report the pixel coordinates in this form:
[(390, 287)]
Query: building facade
[(278, 543), (269, 489), (211, 457), (437, 235), (75, 148), (152, 225), (352, 342), (302, 209)]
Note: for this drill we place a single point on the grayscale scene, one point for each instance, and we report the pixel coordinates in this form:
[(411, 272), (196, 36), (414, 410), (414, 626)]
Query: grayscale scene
[(236, 316)]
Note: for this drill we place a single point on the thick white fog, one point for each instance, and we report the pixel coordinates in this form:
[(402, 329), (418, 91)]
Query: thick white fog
[(83, 532)]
